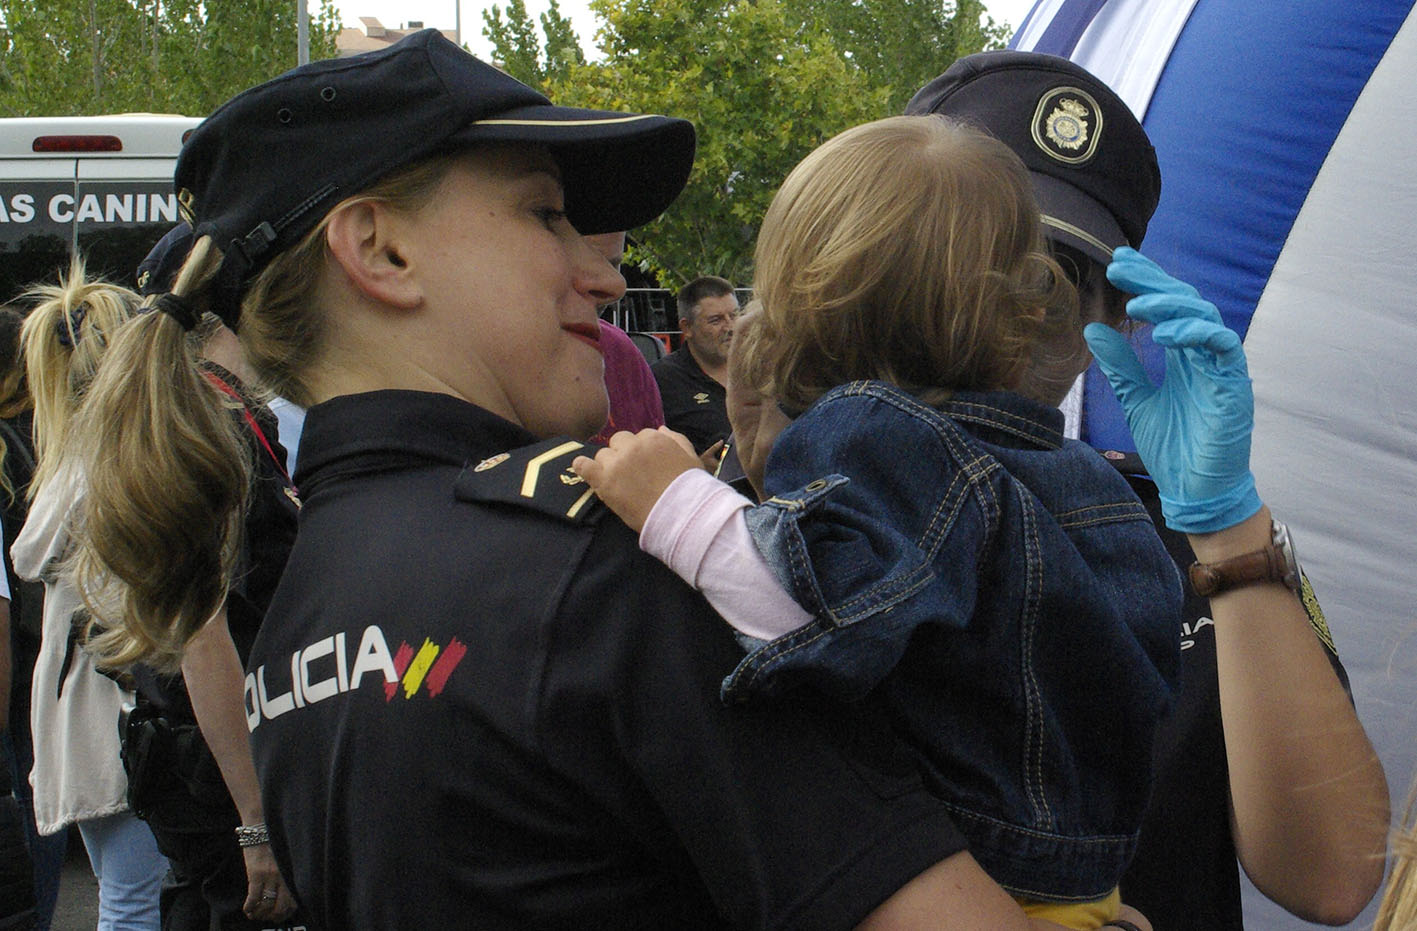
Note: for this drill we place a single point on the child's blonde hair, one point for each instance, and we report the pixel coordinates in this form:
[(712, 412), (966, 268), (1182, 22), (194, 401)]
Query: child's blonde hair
[(747, 367), (907, 250)]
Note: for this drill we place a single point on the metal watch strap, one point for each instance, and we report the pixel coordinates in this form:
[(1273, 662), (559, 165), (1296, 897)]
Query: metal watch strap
[(252, 835), (1269, 564)]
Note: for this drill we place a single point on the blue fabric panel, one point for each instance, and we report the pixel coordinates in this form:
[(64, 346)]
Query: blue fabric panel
[(1013, 39), (1067, 26), (1244, 114)]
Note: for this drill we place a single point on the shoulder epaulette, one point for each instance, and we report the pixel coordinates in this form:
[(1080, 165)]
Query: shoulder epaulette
[(1317, 620), (537, 477)]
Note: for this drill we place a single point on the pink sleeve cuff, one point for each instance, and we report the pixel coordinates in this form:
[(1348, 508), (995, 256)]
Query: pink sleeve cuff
[(696, 528)]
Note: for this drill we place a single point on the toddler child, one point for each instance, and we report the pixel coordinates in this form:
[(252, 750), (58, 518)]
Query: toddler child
[(939, 539)]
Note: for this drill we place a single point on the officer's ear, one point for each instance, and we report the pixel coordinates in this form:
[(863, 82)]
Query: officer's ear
[(365, 239)]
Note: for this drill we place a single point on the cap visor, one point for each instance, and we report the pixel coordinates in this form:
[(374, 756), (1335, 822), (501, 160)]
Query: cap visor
[(1072, 217), (620, 170)]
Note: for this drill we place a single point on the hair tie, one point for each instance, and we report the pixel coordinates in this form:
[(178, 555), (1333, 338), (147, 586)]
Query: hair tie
[(67, 327), (178, 309)]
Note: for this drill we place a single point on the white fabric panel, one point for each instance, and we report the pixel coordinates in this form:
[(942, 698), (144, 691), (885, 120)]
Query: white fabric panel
[(1035, 23), (1128, 44), (1331, 351), (1072, 410)]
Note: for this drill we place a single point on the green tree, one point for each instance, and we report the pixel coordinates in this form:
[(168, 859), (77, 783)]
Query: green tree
[(902, 44), (519, 51), (515, 45), (563, 46), (765, 82), (172, 56), (762, 86)]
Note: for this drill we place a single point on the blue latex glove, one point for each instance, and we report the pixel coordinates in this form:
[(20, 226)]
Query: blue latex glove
[(1193, 432)]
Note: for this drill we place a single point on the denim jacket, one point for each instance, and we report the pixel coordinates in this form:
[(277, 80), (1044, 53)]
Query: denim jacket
[(1007, 591)]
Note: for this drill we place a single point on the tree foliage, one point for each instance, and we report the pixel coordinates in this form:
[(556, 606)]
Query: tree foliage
[(761, 88), (519, 50), (764, 81), (902, 44), (85, 57)]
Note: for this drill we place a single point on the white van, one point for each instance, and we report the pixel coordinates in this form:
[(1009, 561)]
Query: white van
[(97, 185)]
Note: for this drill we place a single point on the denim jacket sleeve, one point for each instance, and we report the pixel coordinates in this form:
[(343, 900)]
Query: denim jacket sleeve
[(877, 515)]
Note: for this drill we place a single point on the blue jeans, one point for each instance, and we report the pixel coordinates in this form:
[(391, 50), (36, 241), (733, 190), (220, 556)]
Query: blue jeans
[(46, 853), (130, 872)]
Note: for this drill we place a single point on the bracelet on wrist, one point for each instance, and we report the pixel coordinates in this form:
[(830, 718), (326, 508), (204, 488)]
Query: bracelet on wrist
[(252, 835)]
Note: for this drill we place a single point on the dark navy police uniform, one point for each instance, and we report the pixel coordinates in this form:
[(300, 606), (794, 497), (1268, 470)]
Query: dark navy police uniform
[(477, 704)]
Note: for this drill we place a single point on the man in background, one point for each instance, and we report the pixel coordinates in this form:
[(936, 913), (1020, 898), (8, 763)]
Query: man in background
[(692, 379)]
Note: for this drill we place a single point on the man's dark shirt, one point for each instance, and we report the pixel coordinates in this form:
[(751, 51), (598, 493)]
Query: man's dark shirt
[(694, 404)]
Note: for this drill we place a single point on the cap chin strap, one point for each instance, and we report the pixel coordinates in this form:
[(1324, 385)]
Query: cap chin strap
[(1080, 233)]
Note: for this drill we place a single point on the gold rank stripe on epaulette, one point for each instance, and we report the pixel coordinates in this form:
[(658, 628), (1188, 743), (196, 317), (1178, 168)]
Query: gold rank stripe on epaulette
[(1316, 614), (537, 476)]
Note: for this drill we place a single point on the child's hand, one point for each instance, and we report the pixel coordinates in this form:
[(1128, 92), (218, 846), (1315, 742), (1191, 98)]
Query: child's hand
[(633, 472)]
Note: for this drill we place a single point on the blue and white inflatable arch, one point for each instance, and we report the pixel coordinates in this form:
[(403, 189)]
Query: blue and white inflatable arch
[(1287, 136)]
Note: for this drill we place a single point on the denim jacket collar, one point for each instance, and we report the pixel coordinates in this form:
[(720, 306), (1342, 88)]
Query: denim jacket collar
[(1008, 413), (1000, 416)]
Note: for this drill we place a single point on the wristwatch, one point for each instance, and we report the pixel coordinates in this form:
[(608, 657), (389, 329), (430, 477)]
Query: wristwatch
[(1274, 563)]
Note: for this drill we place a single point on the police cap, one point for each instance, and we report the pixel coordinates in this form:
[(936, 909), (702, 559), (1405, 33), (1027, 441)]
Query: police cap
[(1094, 170), (159, 268), (263, 169)]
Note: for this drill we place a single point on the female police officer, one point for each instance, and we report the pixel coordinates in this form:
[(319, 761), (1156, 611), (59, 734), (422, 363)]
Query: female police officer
[(474, 703), (1263, 757)]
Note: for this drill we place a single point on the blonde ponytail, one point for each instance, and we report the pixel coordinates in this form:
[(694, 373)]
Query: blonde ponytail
[(167, 468), (64, 338), (167, 477)]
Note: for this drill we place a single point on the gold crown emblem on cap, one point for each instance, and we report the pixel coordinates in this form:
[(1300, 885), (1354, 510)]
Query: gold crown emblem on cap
[(186, 206), (1067, 125)]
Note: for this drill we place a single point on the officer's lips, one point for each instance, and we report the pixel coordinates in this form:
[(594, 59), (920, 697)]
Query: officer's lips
[(588, 333)]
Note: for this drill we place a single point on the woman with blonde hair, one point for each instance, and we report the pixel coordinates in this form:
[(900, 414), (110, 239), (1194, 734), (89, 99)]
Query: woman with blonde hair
[(185, 744), (174, 782), (78, 776), (472, 702)]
